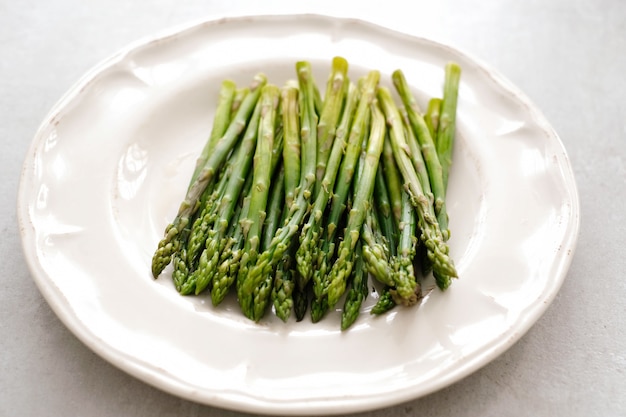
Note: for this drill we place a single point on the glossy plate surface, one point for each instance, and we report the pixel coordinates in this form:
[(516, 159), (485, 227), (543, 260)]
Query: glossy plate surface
[(109, 166)]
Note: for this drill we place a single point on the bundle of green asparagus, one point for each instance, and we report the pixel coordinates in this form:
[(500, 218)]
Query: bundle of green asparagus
[(298, 198)]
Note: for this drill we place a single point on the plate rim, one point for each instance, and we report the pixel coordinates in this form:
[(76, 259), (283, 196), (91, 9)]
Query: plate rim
[(171, 384)]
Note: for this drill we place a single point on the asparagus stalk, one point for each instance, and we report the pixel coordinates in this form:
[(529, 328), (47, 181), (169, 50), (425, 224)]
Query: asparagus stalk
[(180, 262), (417, 158), (432, 120), (216, 239), (407, 291), (253, 224), (232, 252), (362, 199), (318, 101), (283, 296), (199, 230), (262, 293), (384, 216), (171, 242), (310, 236), (291, 149), (384, 304), (392, 179), (437, 248), (225, 193), (389, 231), (301, 301), (185, 278), (221, 121), (276, 202), (231, 245), (376, 246), (433, 165), (240, 94), (342, 187), (266, 262), (357, 293), (285, 275), (389, 223), (447, 118), (375, 250), (331, 112)]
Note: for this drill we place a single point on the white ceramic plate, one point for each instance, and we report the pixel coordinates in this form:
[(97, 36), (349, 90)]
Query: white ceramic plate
[(109, 166)]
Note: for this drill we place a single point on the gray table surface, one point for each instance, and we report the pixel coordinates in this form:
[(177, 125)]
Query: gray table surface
[(567, 55)]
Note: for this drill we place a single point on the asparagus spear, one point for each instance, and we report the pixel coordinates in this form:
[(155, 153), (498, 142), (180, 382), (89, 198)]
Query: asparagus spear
[(384, 304), (283, 296), (357, 292), (417, 158), (171, 242), (230, 256), (231, 247), (318, 101), (383, 213), (433, 165), (262, 293), (378, 247), (240, 94), (432, 120), (185, 277), (310, 236), (185, 258), (392, 179), (285, 275), (181, 265), (342, 187), (218, 222), (221, 121), (447, 118), (276, 203), (362, 199), (437, 248), (267, 261), (388, 229), (331, 112), (228, 184), (291, 149), (375, 251), (253, 224), (407, 290), (301, 301)]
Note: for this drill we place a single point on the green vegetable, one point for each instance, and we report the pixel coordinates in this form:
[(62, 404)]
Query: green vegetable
[(407, 290), (342, 267), (447, 118), (427, 146), (432, 120), (357, 292), (253, 224), (310, 237), (329, 118), (171, 242), (266, 262), (430, 233), (297, 198)]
